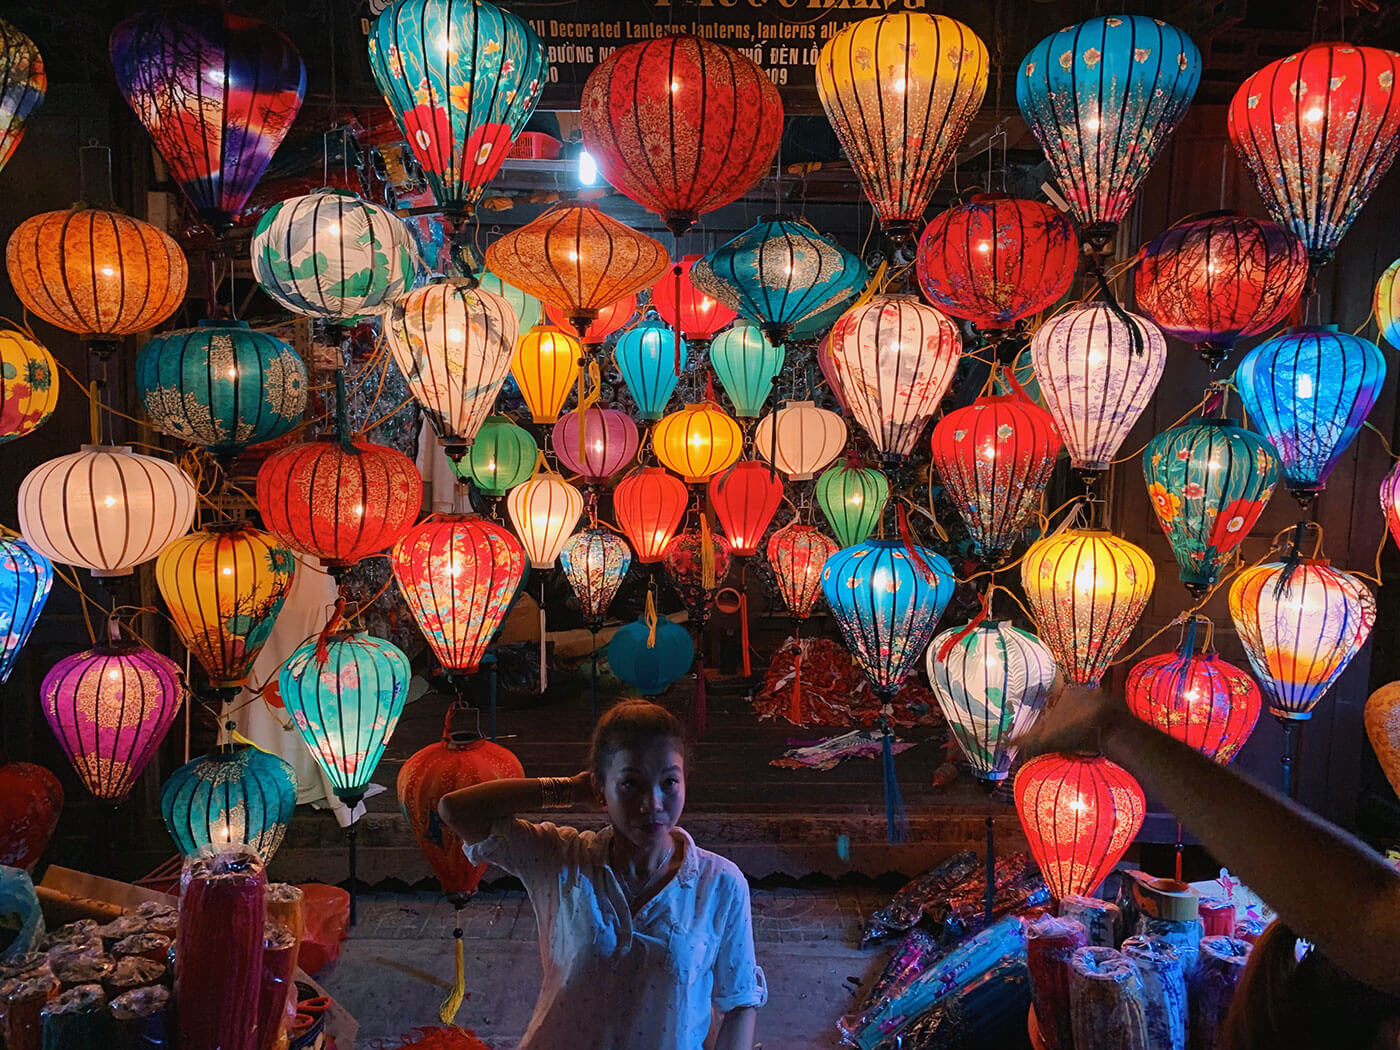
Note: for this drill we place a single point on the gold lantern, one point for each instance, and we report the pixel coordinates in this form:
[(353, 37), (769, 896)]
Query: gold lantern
[(697, 442), (546, 365)]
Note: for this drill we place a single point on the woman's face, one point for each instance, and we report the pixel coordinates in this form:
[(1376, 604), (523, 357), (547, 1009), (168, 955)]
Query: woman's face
[(644, 790)]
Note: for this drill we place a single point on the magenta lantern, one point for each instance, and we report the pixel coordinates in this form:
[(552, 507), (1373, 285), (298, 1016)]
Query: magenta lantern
[(607, 443)]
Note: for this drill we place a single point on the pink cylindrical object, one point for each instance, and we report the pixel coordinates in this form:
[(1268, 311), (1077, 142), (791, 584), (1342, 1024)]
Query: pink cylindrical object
[(1217, 917)]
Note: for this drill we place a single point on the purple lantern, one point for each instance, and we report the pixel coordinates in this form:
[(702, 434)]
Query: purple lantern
[(609, 442)]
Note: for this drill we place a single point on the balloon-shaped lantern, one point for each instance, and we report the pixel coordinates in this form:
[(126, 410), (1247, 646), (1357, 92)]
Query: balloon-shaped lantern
[(545, 366), (595, 561), (1387, 304), (697, 442), (852, 498), (22, 86), (236, 794), (797, 554), (1382, 718), (649, 504), (649, 659), (28, 382), (1390, 501), (697, 314), (610, 318), (25, 579), (684, 562), (502, 456), (595, 443), (745, 498), (800, 438), (543, 511), (646, 356), (746, 364), (31, 799)]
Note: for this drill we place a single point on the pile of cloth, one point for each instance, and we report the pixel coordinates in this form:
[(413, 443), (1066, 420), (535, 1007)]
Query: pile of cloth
[(831, 690)]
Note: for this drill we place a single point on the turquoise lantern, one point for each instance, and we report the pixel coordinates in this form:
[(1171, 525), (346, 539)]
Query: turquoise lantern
[(528, 310), (1309, 391), (223, 385), (812, 327), (25, 579), (235, 794), (746, 364), (646, 357), (651, 663)]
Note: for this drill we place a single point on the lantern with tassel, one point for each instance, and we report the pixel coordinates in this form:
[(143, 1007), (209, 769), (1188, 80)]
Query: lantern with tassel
[(697, 442), (595, 443), (543, 511), (852, 498), (28, 380), (650, 359), (746, 364), (798, 553), (698, 315), (745, 498), (595, 561), (800, 438), (25, 579), (234, 794), (610, 318), (685, 561), (31, 799), (649, 504), (527, 309), (651, 658), (502, 456), (546, 365), (22, 86)]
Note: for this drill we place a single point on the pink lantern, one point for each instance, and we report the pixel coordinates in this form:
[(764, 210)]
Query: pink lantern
[(828, 367), (608, 442)]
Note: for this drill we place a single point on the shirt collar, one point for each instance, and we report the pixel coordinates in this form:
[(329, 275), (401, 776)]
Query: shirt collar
[(690, 861)]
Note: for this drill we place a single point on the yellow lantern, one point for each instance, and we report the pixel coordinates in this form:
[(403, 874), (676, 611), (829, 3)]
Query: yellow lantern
[(546, 366), (28, 384), (697, 442), (544, 511), (1087, 589)]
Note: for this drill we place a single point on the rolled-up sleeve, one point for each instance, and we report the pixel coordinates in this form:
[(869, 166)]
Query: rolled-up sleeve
[(528, 851), (738, 979)]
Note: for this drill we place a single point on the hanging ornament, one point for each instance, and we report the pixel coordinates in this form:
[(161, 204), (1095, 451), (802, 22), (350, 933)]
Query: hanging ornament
[(31, 799), (1386, 304), (235, 794), (25, 579), (610, 318), (697, 314), (527, 309), (461, 80), (798, 553), (997, 260), (800, 438), (22, 86), (1087, 589), (746, 365), (684, 562), (651, 659), (501, 457), (28, 378), (697, 442), (1390, 503), (595, 561), (217, 92), (900, 91), (1103, 98), (1213, 278), (543, 511), (1309, 392), (595, 443), (1317, 131), (546, 366), (649, 504), (745, 498), (853, 499), (647, 357), (1381, 715)]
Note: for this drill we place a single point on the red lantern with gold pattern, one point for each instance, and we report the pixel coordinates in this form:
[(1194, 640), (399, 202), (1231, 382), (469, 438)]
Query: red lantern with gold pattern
[(745, 498), (697, 314), (649, 504), (797, 553), (31, 799)]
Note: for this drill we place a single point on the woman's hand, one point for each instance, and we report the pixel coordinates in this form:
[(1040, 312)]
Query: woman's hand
[(585, 792), (1077, 717)]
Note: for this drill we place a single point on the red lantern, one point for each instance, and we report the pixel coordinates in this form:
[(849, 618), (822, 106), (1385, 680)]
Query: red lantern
[(680, 125), (610, 318), (684, 559), (745, 498), (31, 799), (1080, 813), (797, 554), (648, 504), (697, 314), (996, 456), (340, 501)]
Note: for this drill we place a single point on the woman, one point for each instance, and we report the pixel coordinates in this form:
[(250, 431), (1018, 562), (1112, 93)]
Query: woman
[(641, 931)]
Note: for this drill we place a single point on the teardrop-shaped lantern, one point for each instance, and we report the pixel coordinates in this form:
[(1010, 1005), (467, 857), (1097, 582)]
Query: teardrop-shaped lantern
[(900, 91), (745, 498), (1390, 501), (1087, 589), (800, 438), (527, 309), (697, 442), (1103, 98), (610, 318), (680, 124), (991, 682), (595, 561), (1309, 391), (461, 80), (1096, 378), (651, 666), (216, 91), (853, 498), (238, 794), (22, 86), (1386, 304), (746, 364), (1317, 131), (596, 443), (501, 457), (459, 575), (646, 358), (697, 314), (546, 366), (649, 504), (797, 554), (28, 380), (543, 511), (25, 579), (684, 562)]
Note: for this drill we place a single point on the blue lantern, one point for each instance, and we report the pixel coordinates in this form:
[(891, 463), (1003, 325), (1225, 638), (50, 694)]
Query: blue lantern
[(646, 357), (1309, 391), (746, 363), (236, 794), (595, 562), (651, 668), (25, 579)]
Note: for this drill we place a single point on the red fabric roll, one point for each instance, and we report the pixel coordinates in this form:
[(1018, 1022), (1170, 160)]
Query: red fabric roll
[(1049, 944), (1217, 917)]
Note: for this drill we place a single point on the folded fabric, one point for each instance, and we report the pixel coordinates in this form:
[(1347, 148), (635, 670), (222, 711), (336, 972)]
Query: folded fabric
[(1218, 970), (1101, 918), (1106, 1000), (1163, 990), (1050, 944), (828, 754)]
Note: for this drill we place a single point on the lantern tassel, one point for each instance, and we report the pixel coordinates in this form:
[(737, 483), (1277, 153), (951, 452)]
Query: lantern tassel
[(585, 402), (448, 1010), (896, 826), (702, 712), (947, 646), (649, 616), (907, 536), (707, 554), (323, 652), (1134, 334), (1292, 559), (744, 630), (795, 705), (544, 670)]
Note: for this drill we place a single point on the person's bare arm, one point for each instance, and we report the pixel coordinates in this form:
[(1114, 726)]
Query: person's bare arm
[(736, 1029), (1326, 884), (471, 811)]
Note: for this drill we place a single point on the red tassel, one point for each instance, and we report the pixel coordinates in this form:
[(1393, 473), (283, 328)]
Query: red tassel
[(1016, 388), (701, 711), (744, 631), (907, 536), (947, 646), (323, 651), (795, 710)]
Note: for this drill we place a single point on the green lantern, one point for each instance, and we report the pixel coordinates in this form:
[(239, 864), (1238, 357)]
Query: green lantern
[(502, 456), (527, 308), (746, 364), (852, 498)]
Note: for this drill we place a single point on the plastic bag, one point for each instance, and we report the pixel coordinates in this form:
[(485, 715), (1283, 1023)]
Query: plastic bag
[(21, 921), (327, 919)]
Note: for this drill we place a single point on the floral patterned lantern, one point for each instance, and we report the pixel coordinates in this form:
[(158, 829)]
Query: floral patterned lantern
[(31, 800), (595, 443), (1103, 98), (698, 315), (697, 442), (800, 438), (543, 511), (610, 318), (595, 561), (651, 659), (1087, 589), (853, 498), (745, 498), (502, 456), (28, 381), (546, 366), (236, 794), (684, 562), (22, 86), (461, 80), (650, 359), (1386, 304), (216, 91), (900, 91), (797, 554), (649, 504), (1390, 501), (746, 364), (25, 579), (527, 309)]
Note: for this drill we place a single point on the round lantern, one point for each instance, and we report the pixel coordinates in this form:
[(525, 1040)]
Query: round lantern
[(339, 501), (105, 508), (684, 562), (1212, 279), (797, 554), (546, 366), (996, 456), (649, 504), (25, 579), (235, 794), (1317, 131), (222, 385), (1103, 98), (746, 364), (610, 318), (331, 255), (745, 498), (1080, 813), (1309, 391), (28, 380), (95, 272), (1087, 589), (110, 706), (900, 91), (459, 576), (1390, 503), (1300, 627), (461, 81), (697, 442), (853, 498), (595, 561), (697, 314), (595, 443), (527, 309), (1096, 376), (997, 260), (22, 86), (651, 664), (800, 438), (1387, 304), (345, 693), (31, 799), (1208, 481), (543, 511), (991, 682), (224, 587), (646, 356), (894, 358), (501, 457), (216, 91), (453, 343)]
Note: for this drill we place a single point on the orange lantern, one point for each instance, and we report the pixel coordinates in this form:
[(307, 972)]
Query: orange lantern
[(745, 498), (697, 442), (610, 318), (649, 504), (545, 366)]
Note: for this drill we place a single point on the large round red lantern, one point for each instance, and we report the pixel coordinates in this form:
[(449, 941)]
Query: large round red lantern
[(745, 498), (697, 314), (31, 799), (649, 504), (797, 553)]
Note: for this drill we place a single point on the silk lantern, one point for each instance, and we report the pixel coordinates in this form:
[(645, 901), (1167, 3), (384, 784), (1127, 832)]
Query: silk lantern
[(900, 91), (684, 562), (22, 86), (1390, 501), (646, 357), (1087, 589), (1103, 98), (28, 383), (105, 508), (1386, 304), (697, 442), (344, 694), (649, 504), (1317, 131), (745, 498), (813, 327), (991, 680), (746, 364), (1080, 813), (216, 91), (697, 314), (502, 456), (595, 562), (546, 365), (543, 511), (651, 665), (680, 124), (1096, 377), (853, 499), (595, 443), (31, 799), (25, 579), (1382, 718), (800, 438), (996, 456), (235, 794), (610, 318), (797, 554), (527, 309), (1309, 392)]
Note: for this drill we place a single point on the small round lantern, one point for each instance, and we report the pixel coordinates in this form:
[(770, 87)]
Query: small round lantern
[(235, 794), (649, 504), (745, 498), (543, 511), (746, 364), (31, 800), (595, 561), (546, 366), (595, 443), (697, 314), (800, 438), (610, 318), (28, 381), (697, 442), (651, 662), (852, 498), (646, 356), (797, 554), (22, 86), (25, 579), (502, 456)]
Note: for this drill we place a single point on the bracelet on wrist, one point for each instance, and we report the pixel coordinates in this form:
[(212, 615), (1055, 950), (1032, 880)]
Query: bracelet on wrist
[(556, 793)]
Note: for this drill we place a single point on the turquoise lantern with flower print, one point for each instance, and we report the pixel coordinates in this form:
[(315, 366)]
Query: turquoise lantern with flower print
[(234, 794), (25, 579)]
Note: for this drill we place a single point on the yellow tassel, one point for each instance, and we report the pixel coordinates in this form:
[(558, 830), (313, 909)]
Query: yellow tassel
[(585, 402), (448, 1010), (870, 289), (650, 618), (707, 554)]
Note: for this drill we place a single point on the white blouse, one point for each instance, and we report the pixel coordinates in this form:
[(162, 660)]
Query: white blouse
[(615, 981)]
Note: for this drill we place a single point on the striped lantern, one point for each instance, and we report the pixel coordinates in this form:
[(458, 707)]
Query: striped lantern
[(234, 794), (501, 457), (546, 365), (543, 511), (745, 498), (800, 438), (25, 579), (650, 360), (797, 554), (28, 381), (1386, 304), (680, 304), (697, 442), (746, 364), (527, 309), (22, 86), (649, 504), (595, 443), (853, 499)]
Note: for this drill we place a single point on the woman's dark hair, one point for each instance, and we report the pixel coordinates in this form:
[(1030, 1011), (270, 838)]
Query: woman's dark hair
[(630, 724)]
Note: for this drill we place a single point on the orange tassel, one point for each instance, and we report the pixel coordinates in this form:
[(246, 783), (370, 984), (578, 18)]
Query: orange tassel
[(744, 631)]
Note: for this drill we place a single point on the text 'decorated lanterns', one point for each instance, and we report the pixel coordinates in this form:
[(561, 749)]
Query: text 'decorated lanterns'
[(501, 457), (649, 504), (28, 383), (595, 443), (746, 364), (546, 366), (800, 438), (745, 498), (681, 305), (797, 554), (594, 562), (852, 498), (697, 442), (22, 86), (26, 577), (237, 794), (544, 510)]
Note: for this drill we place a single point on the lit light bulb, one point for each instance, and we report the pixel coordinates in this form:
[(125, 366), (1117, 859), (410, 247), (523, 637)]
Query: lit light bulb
[(857, 499), (114, 674), (1078, 804), (573, 256), (597, 446), (233, 373), (1084, 581), (1091, 123), (228, 570), (215, 76), (444, 44), (1305, 385), (898, 86), (456, 335), (491, 464), (1213, 464), (110, 501), (1313, 115), (984, 246), (107, 271), (359, 510), (881, 580), (587, 169), (333, 229), (675, 86)]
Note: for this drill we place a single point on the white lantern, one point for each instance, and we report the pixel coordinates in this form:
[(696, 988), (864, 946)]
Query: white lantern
[(105, 508), (800, 438), (544, 511)]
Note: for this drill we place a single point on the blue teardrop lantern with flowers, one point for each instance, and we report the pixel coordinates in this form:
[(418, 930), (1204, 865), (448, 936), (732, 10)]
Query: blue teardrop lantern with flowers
[(236, 794), (25, 579)]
